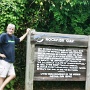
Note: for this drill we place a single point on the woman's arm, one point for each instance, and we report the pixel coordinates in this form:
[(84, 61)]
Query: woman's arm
[(24, 35)]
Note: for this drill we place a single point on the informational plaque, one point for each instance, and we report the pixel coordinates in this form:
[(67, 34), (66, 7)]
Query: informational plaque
[(60, 58), (56, 63)]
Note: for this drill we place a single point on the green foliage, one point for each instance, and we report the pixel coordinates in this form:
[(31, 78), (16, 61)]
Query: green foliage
[(11, 11), (61, 16), (10, 86)]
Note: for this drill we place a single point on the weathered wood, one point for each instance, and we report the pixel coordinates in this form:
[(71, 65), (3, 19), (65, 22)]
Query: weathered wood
[(63, 41), (29, 64), (88, 67), (57, 39), (60, 57), (60, 64)]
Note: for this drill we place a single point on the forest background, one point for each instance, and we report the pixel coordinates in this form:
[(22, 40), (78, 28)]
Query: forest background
[(59, 16)]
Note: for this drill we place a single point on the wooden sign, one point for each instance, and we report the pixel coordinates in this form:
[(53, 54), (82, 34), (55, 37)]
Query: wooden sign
[(60, 57), (60, 63), (55, 39)]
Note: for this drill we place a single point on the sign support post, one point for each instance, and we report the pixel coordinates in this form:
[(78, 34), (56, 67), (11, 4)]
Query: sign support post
[(29, 64), (88, 66)]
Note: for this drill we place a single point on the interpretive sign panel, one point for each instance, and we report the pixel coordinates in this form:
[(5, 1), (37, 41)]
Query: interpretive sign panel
[(60, 57), (57, 63)]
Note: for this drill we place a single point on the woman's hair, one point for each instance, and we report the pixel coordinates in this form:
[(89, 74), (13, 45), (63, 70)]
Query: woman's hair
[(11, 25)]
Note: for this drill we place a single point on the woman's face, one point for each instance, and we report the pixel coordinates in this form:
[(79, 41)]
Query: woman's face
[(10, 30)]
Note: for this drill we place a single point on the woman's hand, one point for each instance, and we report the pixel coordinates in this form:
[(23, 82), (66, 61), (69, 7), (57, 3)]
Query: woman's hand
[(2, 55)]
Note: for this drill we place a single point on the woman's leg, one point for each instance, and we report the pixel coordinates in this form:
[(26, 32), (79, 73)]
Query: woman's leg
[(6, 81)]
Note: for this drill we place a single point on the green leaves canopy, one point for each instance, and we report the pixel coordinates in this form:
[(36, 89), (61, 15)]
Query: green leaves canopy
[(62, 16)]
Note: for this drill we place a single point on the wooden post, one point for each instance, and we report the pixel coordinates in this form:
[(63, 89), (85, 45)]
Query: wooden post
[(29, 64), (88, 67)]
